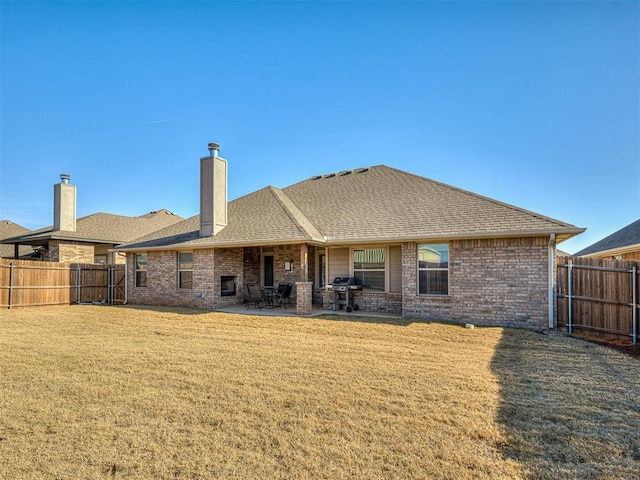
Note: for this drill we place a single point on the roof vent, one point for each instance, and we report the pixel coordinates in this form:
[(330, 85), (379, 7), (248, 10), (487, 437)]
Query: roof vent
[(65, 178), (317, 177), (345, 172), (362, 170), (329, 175)]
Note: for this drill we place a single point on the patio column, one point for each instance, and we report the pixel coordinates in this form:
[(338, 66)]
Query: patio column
[(304, 298)]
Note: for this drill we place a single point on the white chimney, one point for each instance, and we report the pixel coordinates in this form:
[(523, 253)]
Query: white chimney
[(64, 204), (213, 192)]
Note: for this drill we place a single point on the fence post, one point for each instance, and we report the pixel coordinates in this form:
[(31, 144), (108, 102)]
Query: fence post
[(10, 284), (109, 285), (570, 295), (634, 295), (79, 282)]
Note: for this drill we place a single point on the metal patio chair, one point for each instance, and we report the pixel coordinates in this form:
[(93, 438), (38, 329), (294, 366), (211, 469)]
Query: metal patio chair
[(254, 296)]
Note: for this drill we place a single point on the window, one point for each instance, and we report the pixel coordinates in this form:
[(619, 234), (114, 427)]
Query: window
[(141, 269), (433, 269), (369, 268), (185, 269)]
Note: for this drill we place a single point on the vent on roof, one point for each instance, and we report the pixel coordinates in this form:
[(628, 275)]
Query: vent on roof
[(329, 175), (345, 172), (317, 177), (361, 170)]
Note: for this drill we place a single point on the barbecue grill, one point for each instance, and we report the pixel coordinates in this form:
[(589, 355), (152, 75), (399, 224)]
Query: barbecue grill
[(342, 293)]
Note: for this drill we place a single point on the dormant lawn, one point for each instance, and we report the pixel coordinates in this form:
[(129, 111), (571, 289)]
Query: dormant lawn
[(96, 392)]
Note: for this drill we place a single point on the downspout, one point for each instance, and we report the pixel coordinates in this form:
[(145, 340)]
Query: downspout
[(551, 296), (126, 280)]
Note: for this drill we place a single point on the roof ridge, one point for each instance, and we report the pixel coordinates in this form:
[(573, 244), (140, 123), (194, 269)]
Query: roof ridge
[(294, 213)]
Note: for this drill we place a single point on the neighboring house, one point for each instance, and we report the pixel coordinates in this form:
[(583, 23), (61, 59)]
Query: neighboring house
[(10, 229), (88, 239), (622, 245), (418, 247)]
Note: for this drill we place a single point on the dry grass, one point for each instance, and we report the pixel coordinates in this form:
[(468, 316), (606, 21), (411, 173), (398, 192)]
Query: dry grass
[(116, 392)]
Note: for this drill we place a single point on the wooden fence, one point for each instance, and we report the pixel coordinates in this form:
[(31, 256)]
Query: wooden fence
[(598, 297), (29, 283)]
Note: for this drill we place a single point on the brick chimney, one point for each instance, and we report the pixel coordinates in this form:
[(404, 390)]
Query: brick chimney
[(64, 204), (213, 192)]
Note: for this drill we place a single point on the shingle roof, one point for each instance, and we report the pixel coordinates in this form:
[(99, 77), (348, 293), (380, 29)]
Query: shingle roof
[(103, 228), (10, 229), (625, 237), (363, 205)]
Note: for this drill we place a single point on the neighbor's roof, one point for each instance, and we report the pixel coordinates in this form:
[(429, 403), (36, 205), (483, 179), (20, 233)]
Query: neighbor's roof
[(624, 239), (102, 228), (10, 229), (367, 205)]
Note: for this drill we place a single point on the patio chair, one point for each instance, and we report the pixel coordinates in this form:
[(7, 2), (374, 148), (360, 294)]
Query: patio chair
[(283, 294), (254, 296)]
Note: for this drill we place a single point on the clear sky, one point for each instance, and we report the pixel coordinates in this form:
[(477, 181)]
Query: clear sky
[(536, 104)]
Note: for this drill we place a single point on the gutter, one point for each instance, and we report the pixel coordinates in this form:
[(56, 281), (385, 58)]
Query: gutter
[(331, 241)]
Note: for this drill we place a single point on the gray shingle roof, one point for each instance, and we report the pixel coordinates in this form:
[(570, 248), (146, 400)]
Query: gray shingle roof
[(103, 228), (9, 229), (363, 205), (625, 237)]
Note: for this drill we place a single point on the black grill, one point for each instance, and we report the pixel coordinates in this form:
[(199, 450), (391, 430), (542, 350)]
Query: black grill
[(342, 288)]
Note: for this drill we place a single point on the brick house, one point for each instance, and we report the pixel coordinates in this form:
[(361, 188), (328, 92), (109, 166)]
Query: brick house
[(87, 239), (418, 247), (623, 244)]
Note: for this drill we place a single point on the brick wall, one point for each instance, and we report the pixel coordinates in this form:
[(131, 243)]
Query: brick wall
[(491, 282), (69, 251), (208, 266)]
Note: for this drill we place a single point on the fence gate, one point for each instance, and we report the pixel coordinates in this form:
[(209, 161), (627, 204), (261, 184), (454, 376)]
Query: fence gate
[(598, 297), (29, 283)]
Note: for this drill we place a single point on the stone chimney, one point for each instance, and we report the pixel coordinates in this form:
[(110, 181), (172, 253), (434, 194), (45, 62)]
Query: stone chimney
[(213, 192), (64, 204)]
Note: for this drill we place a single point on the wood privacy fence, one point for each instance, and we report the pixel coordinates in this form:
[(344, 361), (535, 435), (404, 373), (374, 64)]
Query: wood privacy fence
[(29, 283), (598, 297)]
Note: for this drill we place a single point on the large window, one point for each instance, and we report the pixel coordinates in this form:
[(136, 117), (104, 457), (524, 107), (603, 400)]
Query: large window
[(369, 268), (433, 269), (185, 269), (141, 269)]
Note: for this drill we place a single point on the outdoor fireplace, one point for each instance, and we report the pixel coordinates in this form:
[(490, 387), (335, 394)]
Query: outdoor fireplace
[(227, 285)]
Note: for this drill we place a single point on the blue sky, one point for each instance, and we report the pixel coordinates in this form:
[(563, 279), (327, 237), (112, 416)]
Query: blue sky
[(536, 104)]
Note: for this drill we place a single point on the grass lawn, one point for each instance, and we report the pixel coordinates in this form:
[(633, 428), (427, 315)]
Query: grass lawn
[(124, 392)]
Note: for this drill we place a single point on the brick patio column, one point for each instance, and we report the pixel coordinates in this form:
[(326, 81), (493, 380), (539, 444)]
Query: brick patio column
[(304, 297)]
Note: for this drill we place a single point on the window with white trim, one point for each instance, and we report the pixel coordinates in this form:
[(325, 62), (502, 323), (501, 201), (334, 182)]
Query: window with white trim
[(185, 269), (141, 269), (433, 269), (369, 268)]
